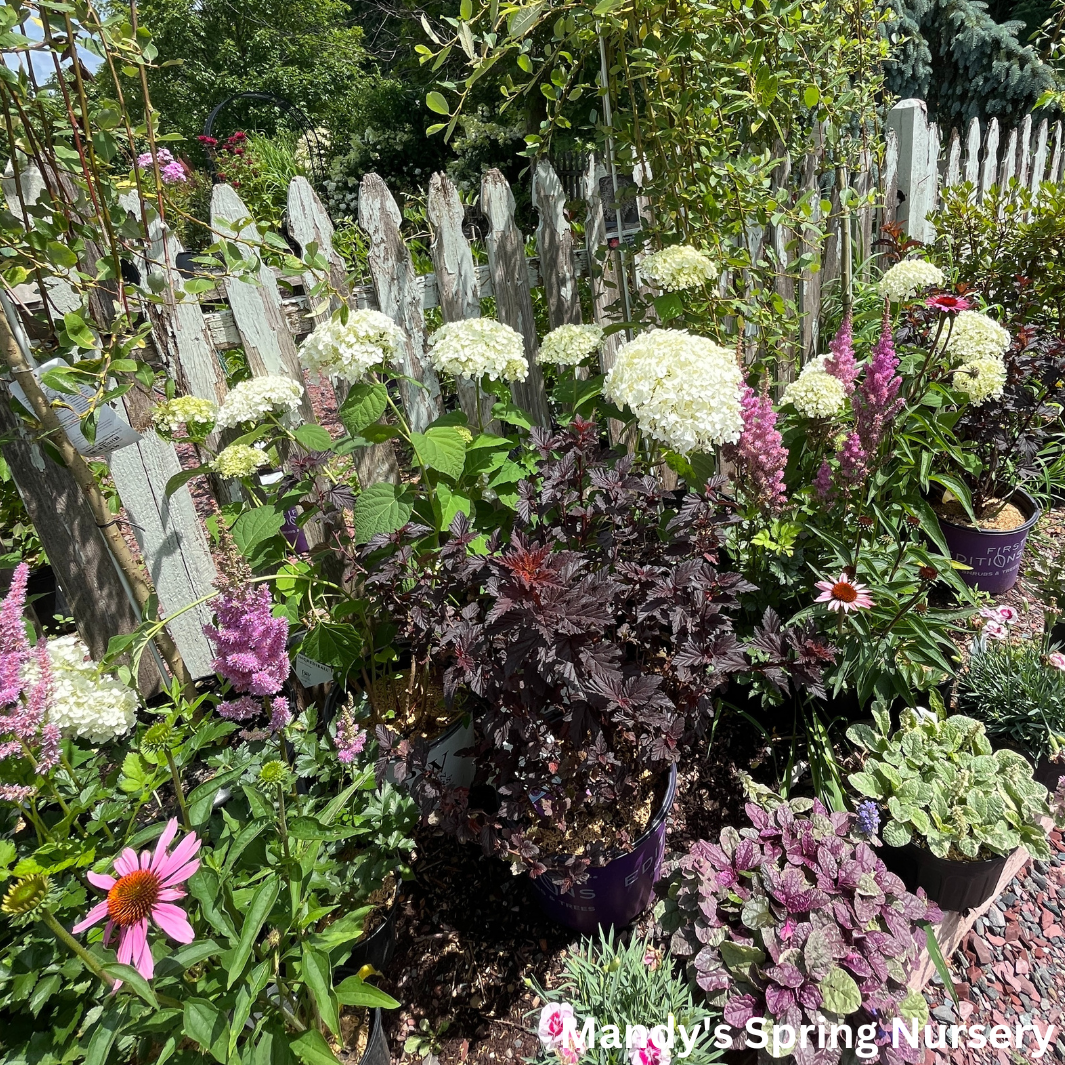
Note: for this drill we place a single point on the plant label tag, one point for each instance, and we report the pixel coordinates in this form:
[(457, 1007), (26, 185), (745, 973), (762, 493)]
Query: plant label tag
[(311, 673), (112, 432)]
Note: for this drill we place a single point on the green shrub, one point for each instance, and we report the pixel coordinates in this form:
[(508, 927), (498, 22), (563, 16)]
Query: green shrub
[(946, 789)]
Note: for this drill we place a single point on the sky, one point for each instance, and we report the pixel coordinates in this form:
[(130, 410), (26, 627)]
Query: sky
[(43, 63)]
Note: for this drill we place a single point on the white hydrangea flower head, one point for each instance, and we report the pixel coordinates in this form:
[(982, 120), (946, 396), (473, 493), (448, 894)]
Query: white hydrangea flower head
[(351, 350), (906, 278), (816, 393), (187, 416), (976, 336), (85, 701), (239, 460), (251, 399), (192, 411), (981, 379), (678, 267), (479, 347), (684, 390), (569, 345)]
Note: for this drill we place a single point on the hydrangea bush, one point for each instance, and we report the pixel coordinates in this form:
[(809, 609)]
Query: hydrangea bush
[(678, 267), (350, 350), (796, 919), (683, 390), (250, 400)]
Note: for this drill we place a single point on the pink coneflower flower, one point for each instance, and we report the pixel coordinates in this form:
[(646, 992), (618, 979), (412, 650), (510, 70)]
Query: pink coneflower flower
[(142, 890), (1057, 660), (948, 304), (844, 594)]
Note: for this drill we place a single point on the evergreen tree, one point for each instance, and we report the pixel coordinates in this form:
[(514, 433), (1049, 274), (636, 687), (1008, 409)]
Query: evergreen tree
[(963, 64)]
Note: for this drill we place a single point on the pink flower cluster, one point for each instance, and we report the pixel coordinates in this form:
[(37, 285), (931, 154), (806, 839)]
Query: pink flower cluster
[(842, 364), (248, 641), (758, 454), (171, 170), (997, 622), (250, 652), (22, 712), (558, 1032), (350, 739), (875, 402)]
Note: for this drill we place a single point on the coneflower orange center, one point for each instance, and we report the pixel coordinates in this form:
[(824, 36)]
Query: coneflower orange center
[(132, 897), (844, 592)]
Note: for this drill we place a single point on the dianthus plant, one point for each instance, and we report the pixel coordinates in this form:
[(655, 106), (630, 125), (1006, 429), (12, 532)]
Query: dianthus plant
[(592, 646), (796, 920)]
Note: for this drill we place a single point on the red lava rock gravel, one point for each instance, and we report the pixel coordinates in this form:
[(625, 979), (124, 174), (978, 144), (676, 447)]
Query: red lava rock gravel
[(1010, 970)]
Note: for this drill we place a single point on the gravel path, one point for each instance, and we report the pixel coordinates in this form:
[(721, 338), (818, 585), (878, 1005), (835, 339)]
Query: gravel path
[(1011, 967)]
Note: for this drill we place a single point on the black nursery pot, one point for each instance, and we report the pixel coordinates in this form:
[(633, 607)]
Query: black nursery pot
[(377, 948), (377, 1052), (952, 885)]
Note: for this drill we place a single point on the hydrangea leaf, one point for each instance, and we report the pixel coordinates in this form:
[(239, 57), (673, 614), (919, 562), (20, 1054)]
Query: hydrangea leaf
[(381, 508), (363, 406), (442, 448), (840, 993)]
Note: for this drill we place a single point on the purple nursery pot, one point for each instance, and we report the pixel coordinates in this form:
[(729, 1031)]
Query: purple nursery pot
[(615, 893), (993, 555)]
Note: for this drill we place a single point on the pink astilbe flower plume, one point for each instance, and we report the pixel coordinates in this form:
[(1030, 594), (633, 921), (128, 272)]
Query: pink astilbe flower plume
[(841, 364), (14, 650), (249, 643), (875, 403), (145, 889), (350, 739), (759, 456), (823, 482)]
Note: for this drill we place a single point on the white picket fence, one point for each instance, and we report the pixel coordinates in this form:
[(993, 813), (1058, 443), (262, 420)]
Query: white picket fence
[(267, 321)]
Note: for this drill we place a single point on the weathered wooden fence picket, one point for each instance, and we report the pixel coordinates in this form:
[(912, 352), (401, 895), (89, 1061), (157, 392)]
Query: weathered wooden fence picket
[(268, 320)]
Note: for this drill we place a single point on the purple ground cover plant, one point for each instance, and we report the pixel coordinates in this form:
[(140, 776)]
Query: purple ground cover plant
[(796, 919), (590, 647)]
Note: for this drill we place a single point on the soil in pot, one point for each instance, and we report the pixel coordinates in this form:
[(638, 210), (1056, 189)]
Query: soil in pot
[(364, 1038), (993, 548), (1002, 518), (614, 894)]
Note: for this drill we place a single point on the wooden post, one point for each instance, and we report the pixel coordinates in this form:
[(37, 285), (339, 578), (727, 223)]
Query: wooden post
[(457, 288), (1007, 167), (554, 243), (76, 549), (172, 541), (400, 297), (510, 279), (972, 156), (1039, 160), (953, 174), (891, 177), (784, 282), (1055, 159), (309, 222), (989, 171), (1024, 162), (917, 168), (812, 245), (257, 310)]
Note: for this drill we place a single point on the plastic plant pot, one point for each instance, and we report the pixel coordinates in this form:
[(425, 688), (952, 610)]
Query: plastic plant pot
[(952, 885), (616, 893)]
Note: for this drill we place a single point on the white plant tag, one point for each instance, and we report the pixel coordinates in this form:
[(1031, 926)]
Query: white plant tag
[(311, 673), (112, 432)]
